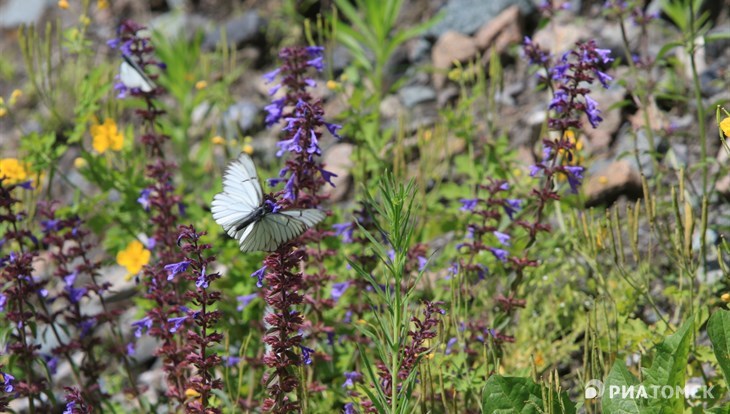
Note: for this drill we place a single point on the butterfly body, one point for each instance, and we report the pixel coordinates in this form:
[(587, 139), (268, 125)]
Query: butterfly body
[(133, 76), (245, 215)]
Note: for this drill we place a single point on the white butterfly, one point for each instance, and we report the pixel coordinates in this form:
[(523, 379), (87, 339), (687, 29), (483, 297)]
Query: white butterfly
[(246, 217), (132, 75)]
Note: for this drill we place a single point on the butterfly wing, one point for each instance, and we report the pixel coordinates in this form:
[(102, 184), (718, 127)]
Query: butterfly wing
[(275, 229), (240, 199), (132, 76)]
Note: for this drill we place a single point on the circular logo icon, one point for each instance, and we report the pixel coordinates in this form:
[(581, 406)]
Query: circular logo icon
[(593, 389)]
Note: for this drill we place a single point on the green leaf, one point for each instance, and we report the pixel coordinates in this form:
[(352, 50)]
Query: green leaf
[(513, 395), (718, 328), (670, 365), (619, 377)]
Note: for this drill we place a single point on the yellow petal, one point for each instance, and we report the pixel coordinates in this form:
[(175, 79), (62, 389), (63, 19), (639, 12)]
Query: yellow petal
[(725, 126)]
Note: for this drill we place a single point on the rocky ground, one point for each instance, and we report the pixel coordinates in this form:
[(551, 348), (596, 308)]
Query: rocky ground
[(469, 30)]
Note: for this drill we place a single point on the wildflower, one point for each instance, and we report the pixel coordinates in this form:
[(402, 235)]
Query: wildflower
[(143, 325), (102, 4), (339, 289), (725, 297), (144, 199), (3, 301), (350, 378), (79, 163), (350, 408), (592, 111), (511, 206), (177, 322), (450, 344), (130, 349), (14, 96), (468, 204), (218, 140), (422, 262), (201, 84), (344, 230), (502, 238), (332, 85), (63, 4), (453, 270), (270, 76), (244, 300), (259, 275), (191, 393), (248, 149), (175, 268), (232, 361), (500, 254), (306, 354), (725, 126), (575, 177), (12, 170), (6, 381), (106, 136), (133, 257), (3, 112)]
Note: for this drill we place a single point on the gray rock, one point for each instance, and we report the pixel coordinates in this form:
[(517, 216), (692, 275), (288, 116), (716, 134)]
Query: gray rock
[(240, 116), (177, 24), (415, 94), (466, 16), (242, 30), (14, 13)]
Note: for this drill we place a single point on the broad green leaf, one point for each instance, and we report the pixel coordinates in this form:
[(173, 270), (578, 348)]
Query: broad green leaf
[(718, 328), (614, 403), (669, 366), (519, 395)]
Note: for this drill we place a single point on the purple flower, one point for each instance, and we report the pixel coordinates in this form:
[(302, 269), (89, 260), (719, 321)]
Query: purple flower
[(350, 408), (274, 110), (560, 101), (274, 89), (500, 254), (202, 281), (270, 76), (603, 78), (450, 344), (575, 177), (232, 361), (344, 230), (333, 128), (49, 225), (175, 268), (339, 289), (604, 55), (453, 270), (3, 301), (144, 199), (468, 204), (306, 354), (259, 275), (317, 63), (51, 362), (512, 206), (70, 407), (592, 111), (86, 326), (559, 72), (130, 349), (503, 238), (422, 262), (315, 51), (290, 191), (6, 380), (143, 325), (327, 176), (244, 300), (177, 322), (350, 378), (113, 43)]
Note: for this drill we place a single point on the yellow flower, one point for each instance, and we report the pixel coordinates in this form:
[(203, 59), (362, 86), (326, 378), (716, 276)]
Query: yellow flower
[(102, 4), (106, 136), (218, 140), (84, 19), (201, 85), (63, 4), (3, 112), (17, 93), (725, 297), (332, 85), (725, 126), (191, 393), (13, 170), (248, 149), (133, 258), (603, 180), (79, 163)]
